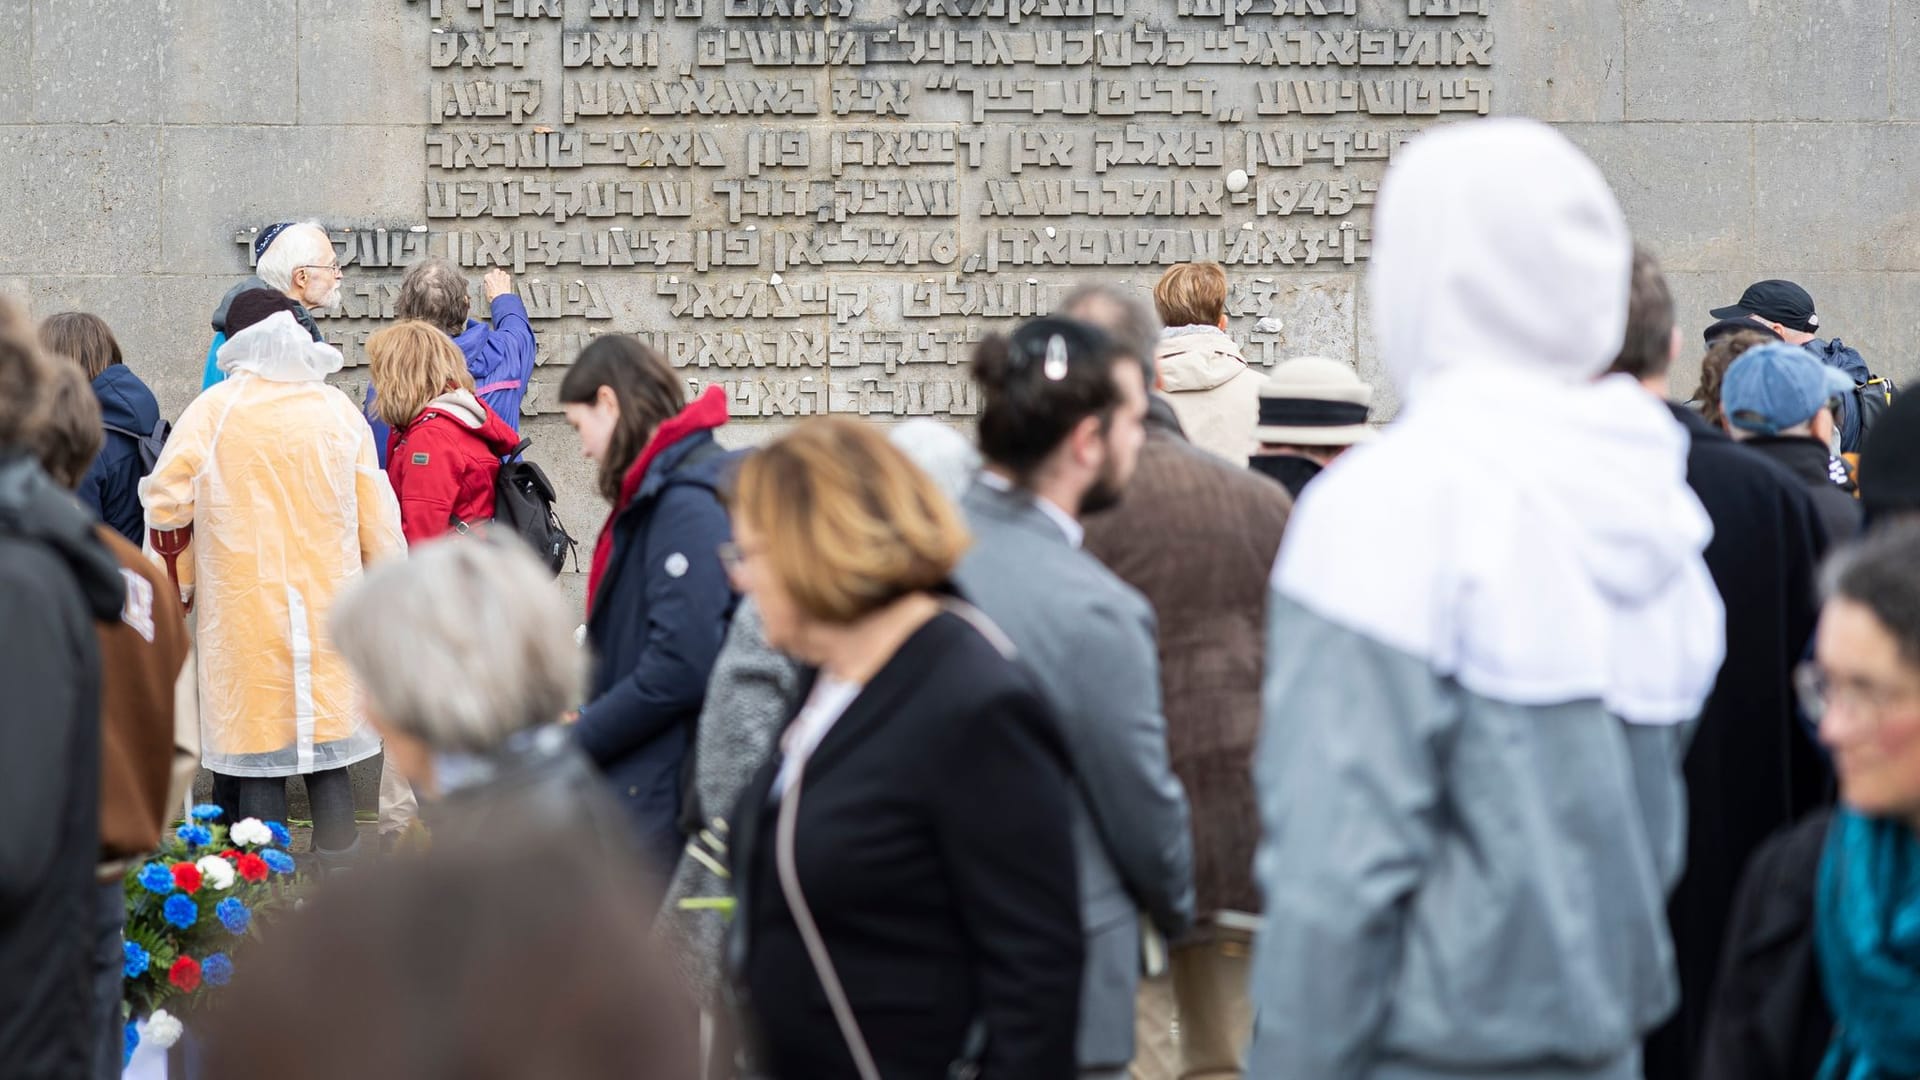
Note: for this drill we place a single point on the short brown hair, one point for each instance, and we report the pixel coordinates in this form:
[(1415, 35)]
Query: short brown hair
[(487, 956), (435, 291), (1192, 294), (82, 338), (68, 435), (24, 375), (411, 364), (1713, 370), (1647, 352), (856, 524)]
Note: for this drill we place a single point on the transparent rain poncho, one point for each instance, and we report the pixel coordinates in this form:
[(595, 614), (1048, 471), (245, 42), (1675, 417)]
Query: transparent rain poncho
[(276, 473)]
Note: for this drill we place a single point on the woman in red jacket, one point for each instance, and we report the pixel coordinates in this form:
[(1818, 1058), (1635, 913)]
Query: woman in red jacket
[(446, 446)]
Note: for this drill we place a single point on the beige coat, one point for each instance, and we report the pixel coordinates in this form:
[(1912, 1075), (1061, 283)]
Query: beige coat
[(1212, 390)]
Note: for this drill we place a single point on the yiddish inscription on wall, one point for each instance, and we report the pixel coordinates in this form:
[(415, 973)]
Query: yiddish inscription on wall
[(822, 204)]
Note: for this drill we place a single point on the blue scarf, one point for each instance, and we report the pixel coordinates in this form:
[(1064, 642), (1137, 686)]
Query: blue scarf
[(1867, 930)]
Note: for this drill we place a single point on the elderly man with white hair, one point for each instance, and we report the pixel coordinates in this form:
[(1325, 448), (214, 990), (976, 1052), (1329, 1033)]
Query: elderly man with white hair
[(480, 742), (295, 260)]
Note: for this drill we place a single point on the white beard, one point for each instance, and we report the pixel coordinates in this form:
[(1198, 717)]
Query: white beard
[(328, 302)]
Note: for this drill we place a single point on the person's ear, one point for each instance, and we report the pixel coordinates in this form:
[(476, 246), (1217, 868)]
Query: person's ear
[(1823, 425), (604, 398), (1675, 342), (1087, 443), (1223, 322)]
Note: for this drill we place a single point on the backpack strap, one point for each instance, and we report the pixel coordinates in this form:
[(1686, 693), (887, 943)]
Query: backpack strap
[(128, 432), (496, 387)]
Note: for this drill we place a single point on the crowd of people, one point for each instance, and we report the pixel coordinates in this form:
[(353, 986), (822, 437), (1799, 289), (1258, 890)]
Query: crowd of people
[(1177, 721)]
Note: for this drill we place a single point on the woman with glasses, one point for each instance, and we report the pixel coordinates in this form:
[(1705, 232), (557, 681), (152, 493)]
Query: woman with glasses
[(1822, 967), (658, 602), (907, 901)]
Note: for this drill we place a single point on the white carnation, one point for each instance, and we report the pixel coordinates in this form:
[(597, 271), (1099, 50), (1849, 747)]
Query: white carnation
[(163, 1030), (251, 832), (216, 872)]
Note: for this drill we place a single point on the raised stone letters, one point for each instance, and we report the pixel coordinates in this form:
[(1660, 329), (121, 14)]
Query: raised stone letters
[(823, 205)]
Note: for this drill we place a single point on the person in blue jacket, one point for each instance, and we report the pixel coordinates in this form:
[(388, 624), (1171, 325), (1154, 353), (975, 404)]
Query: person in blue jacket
[(499, 354), (111, 487), (658, 598)]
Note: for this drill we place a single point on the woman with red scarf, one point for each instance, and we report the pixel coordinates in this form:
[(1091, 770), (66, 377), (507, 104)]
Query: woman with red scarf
[(658, 599)]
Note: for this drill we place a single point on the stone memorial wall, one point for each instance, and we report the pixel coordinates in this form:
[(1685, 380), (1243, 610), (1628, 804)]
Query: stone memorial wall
[(821, 204)]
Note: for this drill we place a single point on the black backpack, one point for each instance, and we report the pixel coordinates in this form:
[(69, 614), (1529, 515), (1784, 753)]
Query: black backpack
[(147, 446), (523, 500), (1873, 397)]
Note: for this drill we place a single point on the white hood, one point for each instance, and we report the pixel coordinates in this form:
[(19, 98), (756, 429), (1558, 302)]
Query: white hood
[(462, 406), (1523, 265), (1189, 358), (279, 349), (1523, 527)]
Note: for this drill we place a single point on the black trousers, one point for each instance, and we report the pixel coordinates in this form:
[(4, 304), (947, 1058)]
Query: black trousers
[(329, 793)]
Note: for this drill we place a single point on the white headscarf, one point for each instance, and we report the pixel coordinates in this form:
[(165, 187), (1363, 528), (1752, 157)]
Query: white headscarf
[(1521, 527)]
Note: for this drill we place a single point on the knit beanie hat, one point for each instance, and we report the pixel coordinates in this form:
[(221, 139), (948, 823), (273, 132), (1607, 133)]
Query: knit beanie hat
[(255, 305)]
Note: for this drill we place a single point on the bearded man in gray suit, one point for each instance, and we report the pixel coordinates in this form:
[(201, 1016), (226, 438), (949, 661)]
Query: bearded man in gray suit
[(1060, 429)]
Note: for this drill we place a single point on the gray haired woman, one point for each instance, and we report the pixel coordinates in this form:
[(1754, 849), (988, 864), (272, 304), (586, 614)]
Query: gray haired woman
[(466, 656)]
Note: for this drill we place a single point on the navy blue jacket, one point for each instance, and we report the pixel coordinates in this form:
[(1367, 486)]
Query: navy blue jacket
[(657, 623), (112, 485), (1843, 357)]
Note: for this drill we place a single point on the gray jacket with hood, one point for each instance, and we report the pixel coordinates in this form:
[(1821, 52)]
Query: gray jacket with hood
[(1488, 634)]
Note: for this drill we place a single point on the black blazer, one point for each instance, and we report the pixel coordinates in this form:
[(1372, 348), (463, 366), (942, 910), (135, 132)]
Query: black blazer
[(933, 849)]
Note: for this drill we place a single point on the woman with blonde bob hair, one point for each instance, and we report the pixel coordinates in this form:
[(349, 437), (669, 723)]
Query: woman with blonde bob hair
[(920, 896), (445, 447)]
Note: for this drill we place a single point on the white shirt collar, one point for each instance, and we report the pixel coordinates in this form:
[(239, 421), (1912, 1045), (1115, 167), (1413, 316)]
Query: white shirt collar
[(1074, 531)]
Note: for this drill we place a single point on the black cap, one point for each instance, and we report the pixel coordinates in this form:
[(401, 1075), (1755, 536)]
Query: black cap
[(1775, 301), (1730, 327), (255, 305)]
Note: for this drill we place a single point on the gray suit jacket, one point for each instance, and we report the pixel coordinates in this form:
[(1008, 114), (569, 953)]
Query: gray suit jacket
[(1088, 639)]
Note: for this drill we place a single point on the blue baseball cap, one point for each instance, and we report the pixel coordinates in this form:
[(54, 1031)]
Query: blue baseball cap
[(1772, 388)]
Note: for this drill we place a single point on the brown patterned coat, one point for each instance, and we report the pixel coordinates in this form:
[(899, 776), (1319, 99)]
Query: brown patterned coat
[(1198, 537)]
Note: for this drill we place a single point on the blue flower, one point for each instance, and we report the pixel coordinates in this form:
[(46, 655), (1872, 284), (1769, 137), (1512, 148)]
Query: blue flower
[(194, 835), (206, 811), (155, 877), (277, 861), (280, 835), (233, 915), (181, 911), (216, 969), (131, 1043), (136, 960)]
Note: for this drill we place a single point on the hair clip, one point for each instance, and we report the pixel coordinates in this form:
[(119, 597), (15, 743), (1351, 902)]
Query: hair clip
[(1055, 367)]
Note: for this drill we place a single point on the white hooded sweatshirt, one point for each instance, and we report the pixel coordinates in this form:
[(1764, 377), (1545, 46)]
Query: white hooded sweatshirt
[(1487, 632), (1211, 388)]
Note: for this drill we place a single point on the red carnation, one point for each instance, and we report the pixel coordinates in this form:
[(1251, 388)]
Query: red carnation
[(187, 876), (252, 867), (185, 974)]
